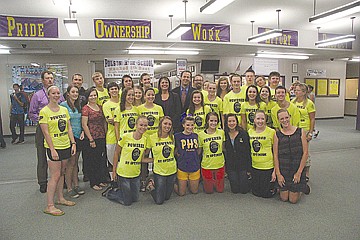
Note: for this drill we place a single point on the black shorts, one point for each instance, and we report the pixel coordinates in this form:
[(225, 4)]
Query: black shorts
[(79, 145), (64, 154)]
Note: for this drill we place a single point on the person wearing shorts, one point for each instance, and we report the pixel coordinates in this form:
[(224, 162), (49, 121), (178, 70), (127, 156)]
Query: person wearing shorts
[(187, 158), (60, 145)]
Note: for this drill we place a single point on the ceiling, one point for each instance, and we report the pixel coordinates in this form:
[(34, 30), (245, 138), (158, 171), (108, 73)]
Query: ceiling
[(294, 15)]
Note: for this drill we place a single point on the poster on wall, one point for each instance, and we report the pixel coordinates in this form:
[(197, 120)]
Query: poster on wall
[(181, 65), (29, 77), (263, 66), (116, 68), (311, 82), (322, 87), (334, 87)]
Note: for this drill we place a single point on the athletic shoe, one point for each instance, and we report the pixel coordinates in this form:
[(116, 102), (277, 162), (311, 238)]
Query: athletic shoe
[(307, 190), (79, 190), (73, 194), (143, 186), (316, 133), (20, 142), (13, 141)]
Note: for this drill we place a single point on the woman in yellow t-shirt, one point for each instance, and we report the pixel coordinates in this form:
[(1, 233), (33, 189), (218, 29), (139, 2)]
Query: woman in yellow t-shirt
[(249, 107), (307, 116), (127, 170), (126, 114), (138, 96), (162, 146), (198, 110), (211, 143), (261, 142), (60, 145), (265, 95), (153, 113)]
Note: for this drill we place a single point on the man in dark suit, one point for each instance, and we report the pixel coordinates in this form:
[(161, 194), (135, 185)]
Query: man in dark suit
[(184, 90)]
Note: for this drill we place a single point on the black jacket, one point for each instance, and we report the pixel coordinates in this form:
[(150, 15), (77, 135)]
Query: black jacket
[(238, 157), (177, 90), (173, 109)]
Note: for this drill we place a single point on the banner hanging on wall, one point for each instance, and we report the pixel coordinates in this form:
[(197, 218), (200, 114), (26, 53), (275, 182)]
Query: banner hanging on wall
[(28, 27), (116, 68), (288, 38), (118, 28), (208, 33)]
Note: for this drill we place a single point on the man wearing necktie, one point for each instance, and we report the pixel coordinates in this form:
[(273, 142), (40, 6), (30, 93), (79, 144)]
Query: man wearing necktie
[(184, 90)]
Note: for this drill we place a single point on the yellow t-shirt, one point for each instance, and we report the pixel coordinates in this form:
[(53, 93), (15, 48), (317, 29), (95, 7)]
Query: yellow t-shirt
[(58, 126), (200, 116), (153, 116), (243, 91), (249, 111), (268, 108), (131, 155), (216, 105), (294, 114), (102, 96), (261, 148), (163, 153), (205, 93), (213, 157), (232, 103), (109, 110), (304, 113), (126, 119)]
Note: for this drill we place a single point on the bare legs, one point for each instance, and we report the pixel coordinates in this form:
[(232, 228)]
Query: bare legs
[(292, 197), (181, 187)]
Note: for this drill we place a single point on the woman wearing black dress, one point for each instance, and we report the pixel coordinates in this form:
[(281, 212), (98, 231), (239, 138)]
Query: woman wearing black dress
[(290, 154), (170, 103), (237, 155)]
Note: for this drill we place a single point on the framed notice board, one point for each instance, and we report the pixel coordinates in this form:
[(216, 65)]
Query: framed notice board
[(322, 87), (334, 87)]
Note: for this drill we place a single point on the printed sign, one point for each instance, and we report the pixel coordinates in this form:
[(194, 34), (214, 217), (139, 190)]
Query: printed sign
[(181, 65), (116, 68), (324, 36), (289, 38), (208, 33), (117, 28), (28, 27), (315, 72)]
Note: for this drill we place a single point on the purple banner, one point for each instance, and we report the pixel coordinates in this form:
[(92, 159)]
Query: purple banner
[(324, 36), (208, 33), (289, 38), (117, 28), (28, 27)]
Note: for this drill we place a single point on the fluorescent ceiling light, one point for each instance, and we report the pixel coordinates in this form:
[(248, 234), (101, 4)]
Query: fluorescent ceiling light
[(3, 46), (336, 13), (30, 51), (335, 40), (72, 27), (265, 35), (214, 6), (281, 56), (179, 30), (164, 48), (356, 59), (4, 51), (166, 52)]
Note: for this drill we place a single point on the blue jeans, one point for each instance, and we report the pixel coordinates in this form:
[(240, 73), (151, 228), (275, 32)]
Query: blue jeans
[(164, 186), (129, 188)]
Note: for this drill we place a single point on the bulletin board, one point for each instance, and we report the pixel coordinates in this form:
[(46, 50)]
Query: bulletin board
[(322, 87), (334, 87)]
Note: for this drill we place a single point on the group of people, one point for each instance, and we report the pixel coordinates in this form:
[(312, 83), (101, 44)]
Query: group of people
[(252, 133)]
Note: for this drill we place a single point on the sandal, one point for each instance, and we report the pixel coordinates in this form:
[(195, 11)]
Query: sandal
[(150, 186), (66, 203), (103, 184), (55, 212), (97, 188)]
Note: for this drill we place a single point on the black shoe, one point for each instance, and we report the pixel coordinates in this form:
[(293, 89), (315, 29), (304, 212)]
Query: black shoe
[(85, 179), (43, 188), (20, 142), (307, 190), (13, 141)]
